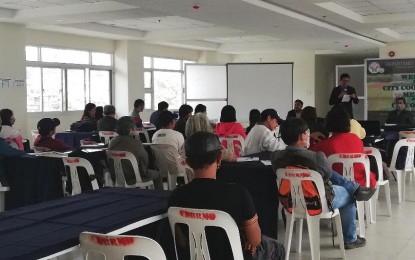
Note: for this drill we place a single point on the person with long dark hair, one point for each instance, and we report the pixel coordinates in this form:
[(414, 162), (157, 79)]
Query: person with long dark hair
[(12, 135), (254, 116), (228, 124)]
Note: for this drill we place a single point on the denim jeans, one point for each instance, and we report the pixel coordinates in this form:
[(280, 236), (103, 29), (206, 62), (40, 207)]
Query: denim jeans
[(339, 180), (346, 205)]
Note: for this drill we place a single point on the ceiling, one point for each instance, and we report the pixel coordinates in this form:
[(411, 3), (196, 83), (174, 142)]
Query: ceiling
[(227, 26)]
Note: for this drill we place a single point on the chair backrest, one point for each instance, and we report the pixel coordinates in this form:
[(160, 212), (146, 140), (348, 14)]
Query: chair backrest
[(235, 143), (86, 142), (141, 131), (107, 135), (406, 134), (39, 149), (409, 162), (115, 247), (296, 177), (372, 151), (73, 163), (115, 157), (348, 160), (197, 220)]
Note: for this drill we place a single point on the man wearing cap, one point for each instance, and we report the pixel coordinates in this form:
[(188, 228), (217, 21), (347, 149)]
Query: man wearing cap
[(166, 135), (262, 137), (47, 128), (203, 155)]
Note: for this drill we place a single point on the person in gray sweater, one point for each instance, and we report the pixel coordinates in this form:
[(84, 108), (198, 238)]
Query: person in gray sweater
[(126, 142)]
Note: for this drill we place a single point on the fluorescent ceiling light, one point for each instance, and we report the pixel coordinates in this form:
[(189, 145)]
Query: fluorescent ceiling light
[(389, 32), (322, 52), (338, 9), (307, 19)]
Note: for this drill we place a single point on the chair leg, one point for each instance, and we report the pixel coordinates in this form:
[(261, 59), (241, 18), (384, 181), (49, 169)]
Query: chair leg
[(401, 185), (388, 198), (373, 205), (2, 201), (338, 223), (361, 215), (298, 234), (368, 213), (313, 224), (288, 234)]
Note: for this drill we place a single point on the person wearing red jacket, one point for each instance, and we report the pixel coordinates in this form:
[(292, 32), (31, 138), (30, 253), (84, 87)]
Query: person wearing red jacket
[(47, 128), (228, 124)]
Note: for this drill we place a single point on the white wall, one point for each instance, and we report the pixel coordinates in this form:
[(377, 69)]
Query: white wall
[(402, 49), (303, 74)]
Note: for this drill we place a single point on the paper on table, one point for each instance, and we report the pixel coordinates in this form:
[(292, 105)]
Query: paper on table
[(247, 159), (266, 162), (346, 98)]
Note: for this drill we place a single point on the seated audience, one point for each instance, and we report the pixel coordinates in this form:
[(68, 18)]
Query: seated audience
[(154, 117), (99, 113), (262, 137), (185, 111), (88, 123), (204, 156), (200, 123), (125, 142), (298, 108), (309, 115), (342, 141), (135, 113), (166, 135), (200, 108), (108, 122), (340, 192), (8, 132), (47, 128), (228, 125), (400, 115), (254, 116)]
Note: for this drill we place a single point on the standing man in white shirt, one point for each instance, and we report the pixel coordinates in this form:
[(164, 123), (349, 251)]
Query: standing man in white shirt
[(262, 137), (166, 135)]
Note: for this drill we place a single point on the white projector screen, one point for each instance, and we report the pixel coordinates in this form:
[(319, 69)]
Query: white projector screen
[(260, 86)]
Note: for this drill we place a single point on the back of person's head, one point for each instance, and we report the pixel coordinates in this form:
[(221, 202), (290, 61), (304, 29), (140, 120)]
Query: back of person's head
[(46, 125), (99, 112), (198, 123), (202, 150), (165, 118), (338, 120), (6, 116), (124, 125), (138, 103), (200, 108), (109, 110), (185, 110), (291, 130), (228, 114), (344, 75), (163, 105), (309, 114), (269, 112), (254, 116), (88, 108)]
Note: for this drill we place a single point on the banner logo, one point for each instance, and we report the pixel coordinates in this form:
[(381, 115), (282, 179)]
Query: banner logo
[(374, 67)]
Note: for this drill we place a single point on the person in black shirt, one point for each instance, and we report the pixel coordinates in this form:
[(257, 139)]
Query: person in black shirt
[(203, 151), (108, 122), (400, 115), (344, 94), (185, 111), (298, 108)]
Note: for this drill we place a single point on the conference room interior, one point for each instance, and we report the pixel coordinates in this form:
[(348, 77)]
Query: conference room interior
[(107, 52)]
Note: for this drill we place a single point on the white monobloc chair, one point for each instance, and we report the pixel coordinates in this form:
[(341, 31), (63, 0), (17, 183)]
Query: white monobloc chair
[(115, 247), (197, 220), (234, 143), (371, 151), (115, 158), (408, 167), (73, 163), (299, 211), (165, 154), (142, 131), (406, 134), (348, 160), (107, 135)]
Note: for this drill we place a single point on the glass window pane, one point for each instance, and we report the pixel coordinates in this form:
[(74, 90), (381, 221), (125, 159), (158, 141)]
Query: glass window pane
[(147, 79), (52, 89), (34, 89), (168, 87), (75, 89), (100, 87), (64, 56), (32, 53), (167, 64), (147, 62), (147, 100), (103, 59)]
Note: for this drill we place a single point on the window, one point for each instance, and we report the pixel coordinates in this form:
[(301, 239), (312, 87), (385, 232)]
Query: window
[(164, 81), (65, 80)]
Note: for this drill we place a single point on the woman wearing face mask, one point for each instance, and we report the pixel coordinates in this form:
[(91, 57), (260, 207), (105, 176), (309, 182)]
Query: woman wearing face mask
[(400, 115), (342, 141)]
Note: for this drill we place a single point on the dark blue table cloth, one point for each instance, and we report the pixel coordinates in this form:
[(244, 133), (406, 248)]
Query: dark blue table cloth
[(73, 139), (45, 228)]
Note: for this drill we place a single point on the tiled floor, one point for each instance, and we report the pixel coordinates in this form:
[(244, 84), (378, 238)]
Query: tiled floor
[(390, 238)]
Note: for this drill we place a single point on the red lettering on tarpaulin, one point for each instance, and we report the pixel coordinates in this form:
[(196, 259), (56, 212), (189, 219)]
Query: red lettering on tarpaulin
[(206, 216), (110, 241), (72, 160)]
